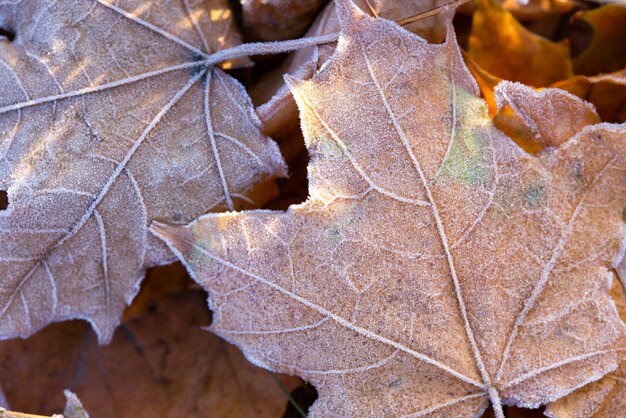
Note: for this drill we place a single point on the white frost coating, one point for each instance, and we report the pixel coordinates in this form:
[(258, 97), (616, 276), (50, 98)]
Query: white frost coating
[(489, 266), (112, 141)]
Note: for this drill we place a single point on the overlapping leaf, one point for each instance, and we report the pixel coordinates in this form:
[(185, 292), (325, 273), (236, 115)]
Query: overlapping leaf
[(160, 364), (605, 397), (436, 265), (108, 120)]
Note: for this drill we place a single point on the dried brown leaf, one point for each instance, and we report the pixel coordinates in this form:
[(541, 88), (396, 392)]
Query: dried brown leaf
[(436, 265), (607, 396), (108, 121), (607, 92), (500, 45), (278, 19), (540, 119), (607, 51), (160, 364)]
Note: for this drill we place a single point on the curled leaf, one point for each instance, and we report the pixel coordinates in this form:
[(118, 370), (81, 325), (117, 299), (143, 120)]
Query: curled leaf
[(607, 51), (539, 119), (500, 45)]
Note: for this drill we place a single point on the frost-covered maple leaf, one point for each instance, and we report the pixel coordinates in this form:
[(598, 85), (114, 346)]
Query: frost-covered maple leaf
[(436, 266), (109, 119)]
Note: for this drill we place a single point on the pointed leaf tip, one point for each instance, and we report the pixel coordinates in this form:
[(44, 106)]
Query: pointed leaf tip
[(179, 239)]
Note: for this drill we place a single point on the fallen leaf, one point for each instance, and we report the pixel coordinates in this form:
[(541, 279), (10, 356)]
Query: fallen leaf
[(73, 408), (605, 397), (277, 107), (540, 119), (278, 20), (436, 265), (160, 364), (607, 92), (500, 45), (486, 83), (607, 51), (109, 121), (537, 9)]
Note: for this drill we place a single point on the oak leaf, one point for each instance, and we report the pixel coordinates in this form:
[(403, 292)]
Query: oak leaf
[(109, 119), (436, 265), (160, 364)]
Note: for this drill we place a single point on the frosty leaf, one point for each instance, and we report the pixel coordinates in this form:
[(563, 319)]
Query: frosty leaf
[(436, 265), (73, 408), (160, 364), (279, 109), (539, 119), (109, 120), (607, 92), (605, 397)]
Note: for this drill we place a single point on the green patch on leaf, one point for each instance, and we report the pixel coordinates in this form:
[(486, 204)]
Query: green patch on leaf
[(468, 160), (533, 194)]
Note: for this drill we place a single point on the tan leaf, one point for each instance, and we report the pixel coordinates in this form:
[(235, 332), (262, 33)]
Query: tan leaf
[(110, 120), (500, 45), (607, 92), (607, 396), (436, 265), (278, 19), (160, 364), (539, 119), (278, 110)]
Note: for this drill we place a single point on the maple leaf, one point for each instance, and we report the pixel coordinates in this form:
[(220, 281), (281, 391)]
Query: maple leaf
[(605, 397), (161, 363), (110, 119), (436, 265)]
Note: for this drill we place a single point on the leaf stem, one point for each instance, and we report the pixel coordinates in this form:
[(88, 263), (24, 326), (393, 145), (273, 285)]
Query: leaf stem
[(290, 397), (262, 48), (431, 12), (279, 47), (10, 414)]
